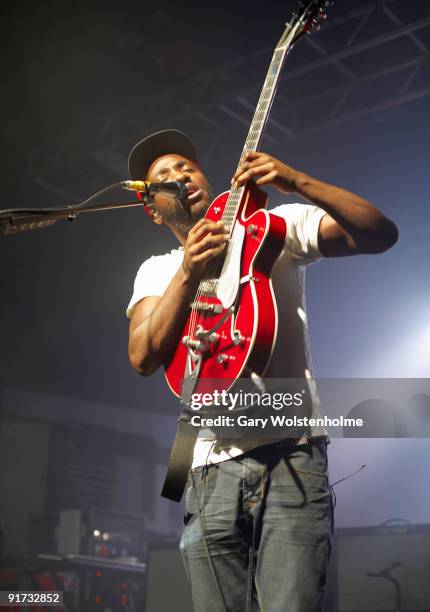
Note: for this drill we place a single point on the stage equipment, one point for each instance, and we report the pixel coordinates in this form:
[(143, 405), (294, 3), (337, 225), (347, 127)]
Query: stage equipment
[(382, 569), (89, 584), (164, 563), (101, 533)]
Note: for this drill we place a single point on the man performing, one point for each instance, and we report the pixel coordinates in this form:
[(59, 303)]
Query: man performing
[(258, 523)]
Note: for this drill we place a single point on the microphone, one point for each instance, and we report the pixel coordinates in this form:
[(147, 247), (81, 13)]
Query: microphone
[(174, 189)]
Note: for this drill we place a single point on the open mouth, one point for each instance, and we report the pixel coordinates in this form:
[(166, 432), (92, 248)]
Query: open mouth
[(194, 193)]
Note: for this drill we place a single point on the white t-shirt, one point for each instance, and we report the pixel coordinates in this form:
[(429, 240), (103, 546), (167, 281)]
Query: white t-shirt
[(291, 356)]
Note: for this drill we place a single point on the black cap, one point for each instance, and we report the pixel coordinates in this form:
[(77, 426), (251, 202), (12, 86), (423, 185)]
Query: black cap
[(160, 143)]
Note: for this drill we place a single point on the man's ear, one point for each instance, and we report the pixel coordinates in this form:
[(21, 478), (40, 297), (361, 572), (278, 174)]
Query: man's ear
[(153, 213), (156, 217)]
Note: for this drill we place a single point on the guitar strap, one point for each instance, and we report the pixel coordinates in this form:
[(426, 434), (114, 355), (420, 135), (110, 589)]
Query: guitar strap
[(181, 458)]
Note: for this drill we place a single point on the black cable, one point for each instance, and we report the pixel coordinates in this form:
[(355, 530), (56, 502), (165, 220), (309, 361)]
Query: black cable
[(42, 211), (97, 194), (331, 486), (349, 475), (333, 495)]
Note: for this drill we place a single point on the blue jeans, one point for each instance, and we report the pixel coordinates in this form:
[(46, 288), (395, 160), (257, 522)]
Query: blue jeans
[(266, 518)]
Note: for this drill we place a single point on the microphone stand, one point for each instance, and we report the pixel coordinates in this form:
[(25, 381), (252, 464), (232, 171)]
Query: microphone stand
[(386, 573), (16, 220)]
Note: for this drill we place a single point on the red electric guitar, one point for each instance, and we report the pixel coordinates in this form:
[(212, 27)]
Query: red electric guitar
[(232, 326)]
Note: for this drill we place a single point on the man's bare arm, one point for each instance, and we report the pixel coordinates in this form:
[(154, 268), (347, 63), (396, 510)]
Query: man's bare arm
[(351, 226), (157, 322)]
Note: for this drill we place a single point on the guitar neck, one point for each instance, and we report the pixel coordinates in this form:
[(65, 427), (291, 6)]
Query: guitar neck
[(261, 115), (255, 134)]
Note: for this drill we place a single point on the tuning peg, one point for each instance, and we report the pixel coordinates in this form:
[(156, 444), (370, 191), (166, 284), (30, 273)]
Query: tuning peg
[(313, 26)]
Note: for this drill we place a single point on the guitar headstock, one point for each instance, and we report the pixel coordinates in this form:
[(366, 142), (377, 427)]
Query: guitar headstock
[(305, 20), (310, 15)]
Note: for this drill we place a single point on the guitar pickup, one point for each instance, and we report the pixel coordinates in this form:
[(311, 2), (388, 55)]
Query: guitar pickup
[(207, 308)]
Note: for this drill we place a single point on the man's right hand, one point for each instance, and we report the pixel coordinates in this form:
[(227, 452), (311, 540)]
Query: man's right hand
[(158, 321), (206, 239)]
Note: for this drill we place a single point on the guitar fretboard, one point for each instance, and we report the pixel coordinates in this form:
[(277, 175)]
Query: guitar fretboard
[(258, 124), (208, 284)]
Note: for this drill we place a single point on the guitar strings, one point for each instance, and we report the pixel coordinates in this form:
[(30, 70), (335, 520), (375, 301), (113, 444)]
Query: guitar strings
[(232, 204), (211, 279)]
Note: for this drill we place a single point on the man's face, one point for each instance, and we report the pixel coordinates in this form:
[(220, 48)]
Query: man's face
[(181, 215)]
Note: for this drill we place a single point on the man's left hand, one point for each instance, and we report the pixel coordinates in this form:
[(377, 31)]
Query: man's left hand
[(265, 170)]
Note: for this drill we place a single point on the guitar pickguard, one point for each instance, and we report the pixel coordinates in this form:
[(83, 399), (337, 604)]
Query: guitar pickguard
[(229, 281)]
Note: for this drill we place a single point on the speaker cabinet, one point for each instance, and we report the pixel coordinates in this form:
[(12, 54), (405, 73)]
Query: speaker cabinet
[(374, 566)]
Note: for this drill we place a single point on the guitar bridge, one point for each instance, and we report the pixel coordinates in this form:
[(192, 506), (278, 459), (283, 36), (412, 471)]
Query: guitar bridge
[(195, 345)]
